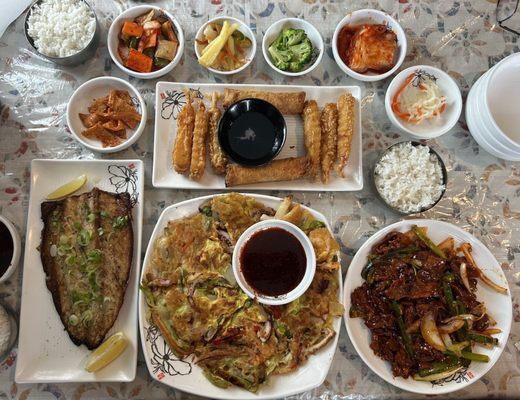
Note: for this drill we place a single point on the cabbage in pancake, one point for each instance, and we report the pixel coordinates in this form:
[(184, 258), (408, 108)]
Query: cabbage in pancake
[(237, 213), (200, 310)]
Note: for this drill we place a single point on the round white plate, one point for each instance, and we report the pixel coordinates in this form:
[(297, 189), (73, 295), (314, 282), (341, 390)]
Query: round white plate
[(185, 375), (498, 305), (96, 88)]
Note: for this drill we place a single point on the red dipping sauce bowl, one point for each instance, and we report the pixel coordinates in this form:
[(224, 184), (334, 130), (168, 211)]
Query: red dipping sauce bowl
[(274, 262)]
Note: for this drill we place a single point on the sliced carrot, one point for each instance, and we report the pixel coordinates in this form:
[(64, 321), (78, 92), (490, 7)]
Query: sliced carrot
[(395, 100), (139, 62), (132, 29)]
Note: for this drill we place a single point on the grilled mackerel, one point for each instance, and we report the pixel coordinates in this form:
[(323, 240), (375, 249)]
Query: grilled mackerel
[(86, 252)]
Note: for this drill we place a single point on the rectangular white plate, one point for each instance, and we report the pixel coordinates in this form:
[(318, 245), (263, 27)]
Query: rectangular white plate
[(170, 99), (45, 351)]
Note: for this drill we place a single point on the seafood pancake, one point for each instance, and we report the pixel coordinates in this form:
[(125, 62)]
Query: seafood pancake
[(195, 301)]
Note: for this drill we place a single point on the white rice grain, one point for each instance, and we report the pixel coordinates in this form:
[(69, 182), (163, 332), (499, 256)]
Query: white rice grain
[(409, 178), (61, 28)]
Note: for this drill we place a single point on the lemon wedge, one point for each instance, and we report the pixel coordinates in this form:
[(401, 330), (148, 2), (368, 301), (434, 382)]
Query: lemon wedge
[(68, 188), (109, 350)]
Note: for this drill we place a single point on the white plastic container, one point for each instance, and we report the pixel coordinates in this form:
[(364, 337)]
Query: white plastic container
[(310, 256), (492, 109)]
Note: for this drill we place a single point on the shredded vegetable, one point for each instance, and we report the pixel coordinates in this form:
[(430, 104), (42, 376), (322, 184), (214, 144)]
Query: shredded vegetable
[(419, 98)]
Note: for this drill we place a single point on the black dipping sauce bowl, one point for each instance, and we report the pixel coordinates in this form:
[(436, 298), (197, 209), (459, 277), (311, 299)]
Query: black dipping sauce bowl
[(252, 132)]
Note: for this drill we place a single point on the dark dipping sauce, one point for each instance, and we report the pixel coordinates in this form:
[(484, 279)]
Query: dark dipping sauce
[(6, 248), (253, 136), (273, 262), (252, 132)]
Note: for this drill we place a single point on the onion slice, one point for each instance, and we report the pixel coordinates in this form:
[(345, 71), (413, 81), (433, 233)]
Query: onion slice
[(462, 317), (446, 339), (430, 332), (464, 276), (451, 326), (491, 331), (466, 250), (414, 327)]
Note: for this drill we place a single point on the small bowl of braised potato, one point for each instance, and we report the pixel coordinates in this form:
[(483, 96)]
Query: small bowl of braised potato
[(225, 45)]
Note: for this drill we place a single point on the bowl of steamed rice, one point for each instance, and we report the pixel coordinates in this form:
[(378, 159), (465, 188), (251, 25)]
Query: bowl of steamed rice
[(65, 32), (410, 177)]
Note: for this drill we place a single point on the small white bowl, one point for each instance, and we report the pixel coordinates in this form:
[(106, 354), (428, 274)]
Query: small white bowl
[(93, 89), (242, 28), (129, 15), (312, 33), (17, 245), (368, 16), (435, 127), (309, 255)]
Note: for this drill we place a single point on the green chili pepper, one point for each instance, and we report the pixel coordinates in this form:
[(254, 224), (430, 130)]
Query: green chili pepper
[(439, 367), (160, 62), (469, 355), (428, 242), (448, 297), (477, 337), (406, 337), (150, 51), (133, 43), (372, 258)]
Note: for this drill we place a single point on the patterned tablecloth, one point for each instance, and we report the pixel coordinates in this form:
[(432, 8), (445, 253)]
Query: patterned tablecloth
[(483, 195)]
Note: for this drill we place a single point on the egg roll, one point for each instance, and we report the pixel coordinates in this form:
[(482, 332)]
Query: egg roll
[(312, 135), (329, 138), (198, 150), (345, 130), (181, 154), (285, 102), (285, 169)]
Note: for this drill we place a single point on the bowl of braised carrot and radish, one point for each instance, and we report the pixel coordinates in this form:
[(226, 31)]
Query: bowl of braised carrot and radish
[(146, 41)]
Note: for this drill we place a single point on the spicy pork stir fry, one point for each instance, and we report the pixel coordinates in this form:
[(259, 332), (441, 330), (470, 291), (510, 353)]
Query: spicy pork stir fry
[(148, 43), (419, 302), (195, 301)]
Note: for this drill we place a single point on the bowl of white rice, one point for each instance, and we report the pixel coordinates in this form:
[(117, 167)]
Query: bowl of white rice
[(65, 32), (410, 177)]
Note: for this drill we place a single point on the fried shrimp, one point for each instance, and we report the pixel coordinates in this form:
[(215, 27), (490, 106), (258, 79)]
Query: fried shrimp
[(217, 157), (198, 151), (312, 134), (182, 147), (329, 138), (345, 130)]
